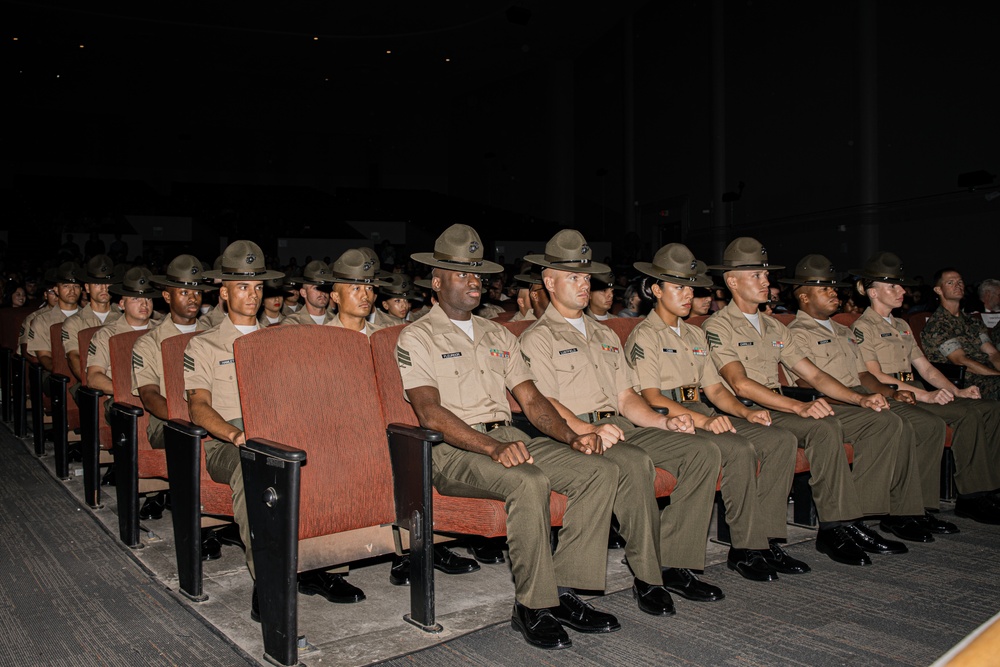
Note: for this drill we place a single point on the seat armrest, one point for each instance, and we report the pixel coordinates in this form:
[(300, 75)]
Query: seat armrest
[(414, 434), (187, 428), (130, 410), (662, 410), (953, 372), (275, 450)]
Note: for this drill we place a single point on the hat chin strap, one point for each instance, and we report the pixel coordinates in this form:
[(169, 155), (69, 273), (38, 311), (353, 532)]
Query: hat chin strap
[(458, 261), (553, 260)]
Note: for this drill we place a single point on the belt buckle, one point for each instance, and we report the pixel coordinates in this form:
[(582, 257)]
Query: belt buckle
[(776, 390), (492, 426), (602, 414), (906, 376), (689, 393)]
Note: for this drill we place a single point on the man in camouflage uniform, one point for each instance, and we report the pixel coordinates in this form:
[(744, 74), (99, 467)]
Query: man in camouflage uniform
[(954, 337)]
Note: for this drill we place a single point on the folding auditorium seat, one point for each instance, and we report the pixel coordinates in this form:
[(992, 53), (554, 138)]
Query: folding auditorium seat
[(65, 413), (95, 433)]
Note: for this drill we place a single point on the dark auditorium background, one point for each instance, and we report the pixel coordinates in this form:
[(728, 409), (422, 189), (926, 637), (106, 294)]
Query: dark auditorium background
[(833, 127)]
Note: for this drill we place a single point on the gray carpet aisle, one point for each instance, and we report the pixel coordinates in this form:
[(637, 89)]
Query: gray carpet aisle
[(70, 595), (903, 610)]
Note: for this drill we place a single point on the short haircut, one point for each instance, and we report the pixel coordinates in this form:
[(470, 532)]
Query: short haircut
[(941, 272)]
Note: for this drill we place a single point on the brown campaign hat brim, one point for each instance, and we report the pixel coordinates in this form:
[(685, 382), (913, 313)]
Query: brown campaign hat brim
[(477, 266), (374, 282), (151, 293), (892, 280), (197, 286), (815, 282), (697, 280), (744, 267), (569, 266), (221, 274)]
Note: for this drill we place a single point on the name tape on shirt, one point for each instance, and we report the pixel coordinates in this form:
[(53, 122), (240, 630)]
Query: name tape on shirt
[(885, 335), (745, 343), (569, 351), (668, 350), (451, 355), (824, 341), (226, 362)]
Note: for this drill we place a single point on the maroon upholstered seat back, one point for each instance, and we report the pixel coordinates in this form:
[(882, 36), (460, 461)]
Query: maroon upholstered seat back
[(120, 347), (327, 405), (390, 385), (11, 320), (847, 319), (917, 323), (173, 374), (216, 499), (623, 326), (696, 320)]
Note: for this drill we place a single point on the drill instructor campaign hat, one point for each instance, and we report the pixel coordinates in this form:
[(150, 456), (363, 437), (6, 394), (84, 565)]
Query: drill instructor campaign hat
[(138, 282), (100, 270), (185, 272), (568, 251), (242, 260), (459, 248), (674, 263), (884, 267), (745, 254), (354, 267), (814, 270)]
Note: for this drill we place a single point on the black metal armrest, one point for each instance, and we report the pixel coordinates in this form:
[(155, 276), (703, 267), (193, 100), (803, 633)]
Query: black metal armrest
[(804, 394), (414, 434), (953, 372), (662, 410), (276, 450), (128, 409), (187, 428)]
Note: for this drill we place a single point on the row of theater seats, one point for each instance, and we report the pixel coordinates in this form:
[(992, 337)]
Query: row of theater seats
[(322, 486)]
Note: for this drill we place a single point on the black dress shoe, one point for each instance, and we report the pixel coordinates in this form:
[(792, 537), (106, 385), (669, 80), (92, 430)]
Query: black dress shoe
[(779, 559), (399, 575), (683, 582), (980, 510), (652, 599), (210, 548), (331, 586), (905, 528), (582, 617), (750, 564), (254, 605), (488, 554), (539, 627), (152, 507), (840, 546), (447, 561), (932, 524), (872, 542), (229, 534), (108, 479)]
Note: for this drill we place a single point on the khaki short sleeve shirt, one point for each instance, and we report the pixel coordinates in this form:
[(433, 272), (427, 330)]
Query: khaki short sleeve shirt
[(147, 356), (209, 364), (99, 352), (891, 345), (25, 332), (303, 317), (40, 333), (663, 360), (470, 375), (834, 352), (731, 338), (85, 318), (215, 316), (584, 373)]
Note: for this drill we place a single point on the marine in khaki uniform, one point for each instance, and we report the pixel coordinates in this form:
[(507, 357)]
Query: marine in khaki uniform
[(580, 367), (954, 337), (137, 292), (532, 299), (67, 289), (314, 287), (671, 361), (181, 288), (395, 299), (97, 280), (214, 399), (271, 307), (454, 368), (602, 296), (353, 292), (50, 301), (891, 355), (834, 349), (746, 346)]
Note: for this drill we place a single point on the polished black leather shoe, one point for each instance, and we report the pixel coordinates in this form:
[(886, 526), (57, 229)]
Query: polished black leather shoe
[(210, 548), (840, 546), (582, 617), (683, 582), (255, 605), (932, 524), (331, 586), (652, 599), (399, 575), (488, 553), (539, 627), (980, 510), (108, 479), (750, 564), (152, 507), (779, 559), (447, 561), (872, 542), (905, 528)]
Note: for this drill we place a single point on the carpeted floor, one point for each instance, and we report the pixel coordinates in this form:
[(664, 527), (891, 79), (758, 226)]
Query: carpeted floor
[(903, 610), (70, 594)]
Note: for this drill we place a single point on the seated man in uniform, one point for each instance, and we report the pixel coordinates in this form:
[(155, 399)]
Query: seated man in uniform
[(354, 283), (532, 299), (454, 367), (214, 400), (314, 287), (602, 296), (580, 367), (951, 336), (891, 354), (746, 347), (271, 307), (98, 277), (51, 300), (67, 289), (834, 349)]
